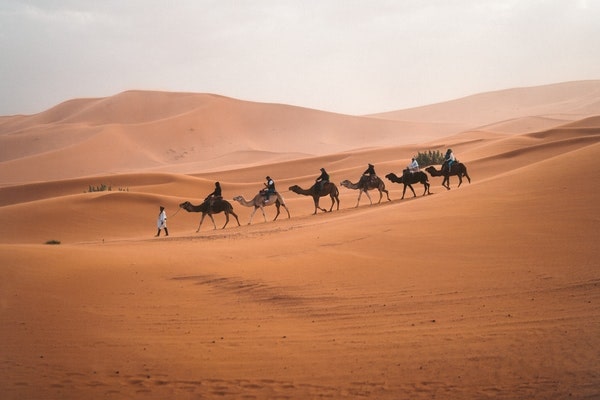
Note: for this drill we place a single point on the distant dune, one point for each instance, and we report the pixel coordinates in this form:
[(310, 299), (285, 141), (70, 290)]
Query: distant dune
[(487, 290), (569, 100)]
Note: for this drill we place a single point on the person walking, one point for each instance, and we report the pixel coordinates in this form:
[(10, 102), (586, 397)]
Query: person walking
[(161, 222)]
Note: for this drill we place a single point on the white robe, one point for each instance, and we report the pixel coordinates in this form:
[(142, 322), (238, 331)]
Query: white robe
[(162, 220)]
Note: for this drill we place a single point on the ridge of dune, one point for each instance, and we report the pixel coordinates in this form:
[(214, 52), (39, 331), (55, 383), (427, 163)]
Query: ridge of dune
[(184, 132), (197, 130), (577, 99)]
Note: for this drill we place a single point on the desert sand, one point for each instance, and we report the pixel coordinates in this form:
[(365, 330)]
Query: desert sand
[(487, 290)]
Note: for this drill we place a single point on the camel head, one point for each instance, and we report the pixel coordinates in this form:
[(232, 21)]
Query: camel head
[(346, 183), (432, 171), (392, 177), (185, 205), (294, 188)]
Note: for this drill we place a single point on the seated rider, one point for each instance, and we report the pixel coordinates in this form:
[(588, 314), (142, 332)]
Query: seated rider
[(449, 159), (269, 188), (215, 195), (412, 167), (321, 180), (368, 175)]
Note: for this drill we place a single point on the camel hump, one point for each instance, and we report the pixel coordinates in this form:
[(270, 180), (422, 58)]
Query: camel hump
[(370, 180)]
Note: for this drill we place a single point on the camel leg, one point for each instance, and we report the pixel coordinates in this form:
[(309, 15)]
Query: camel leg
[(316, 199), (359, 195), (412, 190), (236, 217), (386, 193), (403, 191), (337, 199), (380, 196), (459, 180), (277, 205), (213, 221), (446, 182), (262, 209), (368, 197), (426, 185), (288, 211), (226, 220), (200, 224), (332, 203), (252, 215)]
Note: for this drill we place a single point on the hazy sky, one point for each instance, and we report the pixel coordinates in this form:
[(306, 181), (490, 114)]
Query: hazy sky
[(347, 56)]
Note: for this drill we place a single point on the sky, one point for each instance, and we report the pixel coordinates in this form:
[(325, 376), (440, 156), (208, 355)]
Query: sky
[(346, 56)]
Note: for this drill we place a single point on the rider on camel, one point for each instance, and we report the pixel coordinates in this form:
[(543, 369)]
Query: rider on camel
[(412, 167), (321, 180), (449, 159), (215, 195), (269, 188), (369, 175)]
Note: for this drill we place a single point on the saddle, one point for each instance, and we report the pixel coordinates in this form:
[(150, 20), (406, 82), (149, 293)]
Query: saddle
[(445, 166), (265, 192), (369, 180)]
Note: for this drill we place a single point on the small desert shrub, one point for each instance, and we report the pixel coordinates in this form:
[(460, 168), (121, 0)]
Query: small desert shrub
[(53, 241), (430, 158), (103, 188)]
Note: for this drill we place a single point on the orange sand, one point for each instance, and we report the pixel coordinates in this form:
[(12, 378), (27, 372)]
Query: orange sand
[(490, 290)]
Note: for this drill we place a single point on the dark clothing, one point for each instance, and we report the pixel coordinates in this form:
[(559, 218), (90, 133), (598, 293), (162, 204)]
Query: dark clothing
[(323, 178), (216, 193), (449, 159), (269, 189), (270, 186), (370, 171), (321, 181)]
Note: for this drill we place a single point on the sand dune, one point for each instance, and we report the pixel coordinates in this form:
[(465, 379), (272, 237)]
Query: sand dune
[(489, 290), (180, 132), (569, 100)]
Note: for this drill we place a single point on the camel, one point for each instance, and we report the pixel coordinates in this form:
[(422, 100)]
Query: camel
[(364, 185), (329, 189), (219, 205), (458, 169), (259, 202), (409, 179)]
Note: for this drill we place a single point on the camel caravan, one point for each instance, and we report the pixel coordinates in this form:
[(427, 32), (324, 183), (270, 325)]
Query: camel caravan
[(323, 187)]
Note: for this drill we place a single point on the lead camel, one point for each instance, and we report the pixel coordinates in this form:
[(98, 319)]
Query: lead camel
[(218, 206)]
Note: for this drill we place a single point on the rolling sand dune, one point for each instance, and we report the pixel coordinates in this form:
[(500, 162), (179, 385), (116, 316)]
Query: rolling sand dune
[(570, 100), (490, 290), (180, 132)]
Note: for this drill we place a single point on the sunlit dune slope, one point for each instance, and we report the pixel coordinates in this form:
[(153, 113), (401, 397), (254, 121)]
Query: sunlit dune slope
[(190, 132), (563, 101)]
